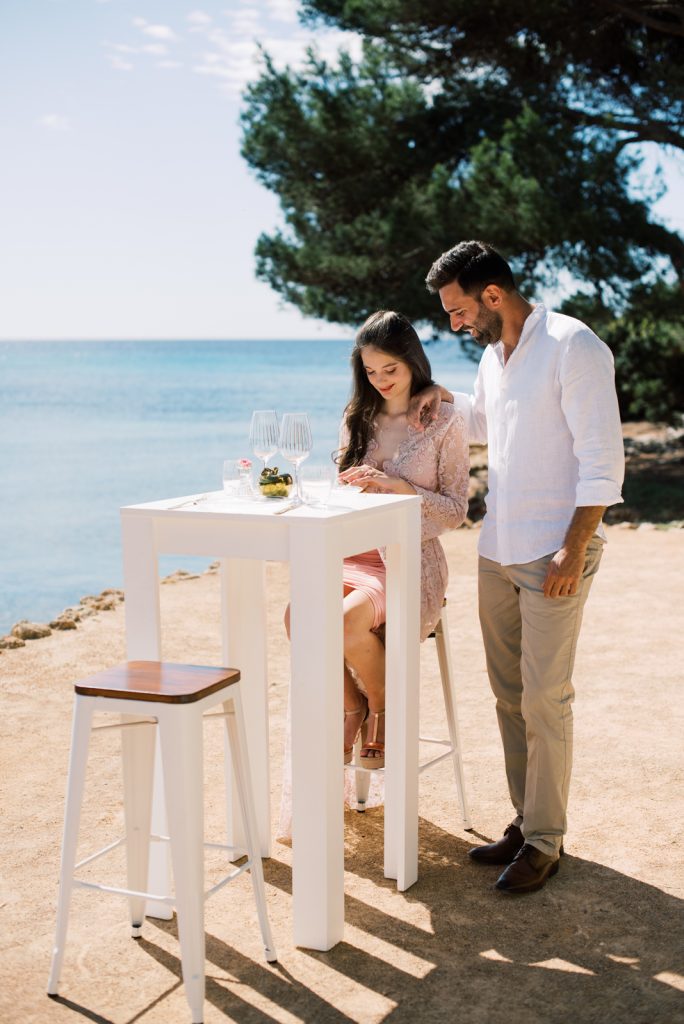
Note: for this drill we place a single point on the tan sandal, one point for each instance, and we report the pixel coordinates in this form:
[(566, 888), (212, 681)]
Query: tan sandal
[(373, 744), (361, 710)]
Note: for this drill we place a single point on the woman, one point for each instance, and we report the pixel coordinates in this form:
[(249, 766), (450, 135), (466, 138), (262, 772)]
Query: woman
[(380, 453)]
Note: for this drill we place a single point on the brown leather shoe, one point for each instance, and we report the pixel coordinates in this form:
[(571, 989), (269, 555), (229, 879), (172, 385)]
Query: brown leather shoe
[(528, 872), (503, 851)]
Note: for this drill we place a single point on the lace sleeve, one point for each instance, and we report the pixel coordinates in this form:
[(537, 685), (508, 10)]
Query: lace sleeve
[(446, 508)]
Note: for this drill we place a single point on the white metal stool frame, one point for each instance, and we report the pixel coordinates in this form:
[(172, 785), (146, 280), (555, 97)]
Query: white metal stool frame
[(180, 728), (453, 744)]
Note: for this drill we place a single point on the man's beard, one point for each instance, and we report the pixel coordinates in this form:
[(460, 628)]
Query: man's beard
[(488, 325)]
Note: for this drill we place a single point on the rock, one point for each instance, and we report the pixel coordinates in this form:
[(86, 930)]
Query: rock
[(180, 574), (626, 526), (30, 630), (647, 526), (106, 604), (86, 610), (113, 592), (62, 622), (10, 642), (70, 613)]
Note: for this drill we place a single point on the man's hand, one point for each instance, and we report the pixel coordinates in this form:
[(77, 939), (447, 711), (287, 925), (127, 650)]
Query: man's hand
[(374, 481), (424, 407), (564, 572)]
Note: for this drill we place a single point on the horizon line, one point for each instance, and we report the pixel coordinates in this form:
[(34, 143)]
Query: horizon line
[(97, 341)]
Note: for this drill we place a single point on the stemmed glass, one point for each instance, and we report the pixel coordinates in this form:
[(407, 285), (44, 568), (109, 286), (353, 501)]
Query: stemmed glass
[(263, 434), (296, 443)]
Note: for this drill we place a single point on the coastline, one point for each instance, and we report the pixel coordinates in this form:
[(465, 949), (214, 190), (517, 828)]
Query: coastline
[(653, 492), (614, 905)]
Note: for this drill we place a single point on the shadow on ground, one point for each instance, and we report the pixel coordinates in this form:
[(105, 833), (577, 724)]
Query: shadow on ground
[(594, 945)]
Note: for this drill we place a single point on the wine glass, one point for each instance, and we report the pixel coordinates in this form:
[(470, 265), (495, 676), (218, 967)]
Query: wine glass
[(295, 442), (317, 483), (263, 434)]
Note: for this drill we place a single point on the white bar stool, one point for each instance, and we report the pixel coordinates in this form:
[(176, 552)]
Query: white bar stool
[(176, 697), (440, 634)]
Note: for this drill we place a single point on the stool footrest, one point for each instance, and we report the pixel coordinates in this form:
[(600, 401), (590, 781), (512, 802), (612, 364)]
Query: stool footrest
[(78, 883), (227, 878), (433, 761), (100, 853)]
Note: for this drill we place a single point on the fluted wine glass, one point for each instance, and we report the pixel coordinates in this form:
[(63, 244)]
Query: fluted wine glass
[(263, 434), (296, 443)]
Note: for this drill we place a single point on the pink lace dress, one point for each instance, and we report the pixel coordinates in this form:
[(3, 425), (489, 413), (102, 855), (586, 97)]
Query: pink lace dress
[(436, 463)]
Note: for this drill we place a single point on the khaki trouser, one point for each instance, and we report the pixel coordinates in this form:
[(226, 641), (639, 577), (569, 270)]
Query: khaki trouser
[(530, 643)]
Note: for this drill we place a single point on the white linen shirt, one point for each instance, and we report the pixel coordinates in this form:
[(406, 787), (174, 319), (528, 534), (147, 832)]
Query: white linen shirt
[(551, 422)]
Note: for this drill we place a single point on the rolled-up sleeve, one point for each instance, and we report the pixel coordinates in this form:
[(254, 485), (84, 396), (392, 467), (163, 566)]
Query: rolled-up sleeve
[(472, 408), (590, 407)]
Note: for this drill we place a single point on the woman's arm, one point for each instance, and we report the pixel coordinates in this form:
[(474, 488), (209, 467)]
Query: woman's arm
[(447, 507)]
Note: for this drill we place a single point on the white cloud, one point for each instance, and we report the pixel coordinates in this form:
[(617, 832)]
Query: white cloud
[(118, 63), (156, 31), (198, 20), (229, 50), (55, 122), (283, 10), (160, 32)]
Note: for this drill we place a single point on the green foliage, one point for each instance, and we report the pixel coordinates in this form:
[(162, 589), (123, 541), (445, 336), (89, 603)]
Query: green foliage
[(510, 121), (647, 342)]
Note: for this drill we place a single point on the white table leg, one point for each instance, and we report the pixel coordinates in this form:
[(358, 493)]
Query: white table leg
[(141, 586), (143, 643), (402, 674), (243, 613), (317, 764)]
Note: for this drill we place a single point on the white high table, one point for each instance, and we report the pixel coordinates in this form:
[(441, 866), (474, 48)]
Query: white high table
[(244, 535)]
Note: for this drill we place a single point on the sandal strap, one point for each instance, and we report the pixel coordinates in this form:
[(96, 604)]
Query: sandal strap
[(376, 716), (373, 745), (356, 711)]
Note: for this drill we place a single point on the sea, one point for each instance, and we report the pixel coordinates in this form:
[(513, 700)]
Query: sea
[(87, 427)]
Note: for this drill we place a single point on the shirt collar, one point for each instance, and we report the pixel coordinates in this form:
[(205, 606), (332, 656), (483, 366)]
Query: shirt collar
[(537, 314)]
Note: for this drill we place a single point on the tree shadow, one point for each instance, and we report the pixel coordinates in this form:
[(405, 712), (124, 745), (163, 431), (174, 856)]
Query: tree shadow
[(593, 946)]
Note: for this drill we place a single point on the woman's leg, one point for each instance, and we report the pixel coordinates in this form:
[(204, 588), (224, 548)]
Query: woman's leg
[(365, 652)]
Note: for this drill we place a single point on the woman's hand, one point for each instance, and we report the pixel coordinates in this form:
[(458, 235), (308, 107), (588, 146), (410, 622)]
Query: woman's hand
[(374, 481)]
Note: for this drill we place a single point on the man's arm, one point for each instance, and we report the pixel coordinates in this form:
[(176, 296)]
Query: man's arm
[(567, 565)]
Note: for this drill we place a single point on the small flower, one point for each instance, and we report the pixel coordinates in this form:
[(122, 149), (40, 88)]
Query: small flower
[(244, 463)]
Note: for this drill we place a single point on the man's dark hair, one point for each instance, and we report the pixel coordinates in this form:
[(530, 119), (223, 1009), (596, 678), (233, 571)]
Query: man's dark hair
[(473, 265)]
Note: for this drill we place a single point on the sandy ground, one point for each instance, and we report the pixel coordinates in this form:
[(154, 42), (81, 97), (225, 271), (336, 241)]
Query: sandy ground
[(602, 942)]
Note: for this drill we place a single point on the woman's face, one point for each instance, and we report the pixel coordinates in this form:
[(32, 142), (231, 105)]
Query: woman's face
[(388, 374)]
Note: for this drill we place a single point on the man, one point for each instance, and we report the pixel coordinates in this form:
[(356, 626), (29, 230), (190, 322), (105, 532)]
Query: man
[(545, 404)]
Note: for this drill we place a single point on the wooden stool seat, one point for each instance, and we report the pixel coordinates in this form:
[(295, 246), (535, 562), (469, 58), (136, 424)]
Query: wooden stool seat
[(158, 681)]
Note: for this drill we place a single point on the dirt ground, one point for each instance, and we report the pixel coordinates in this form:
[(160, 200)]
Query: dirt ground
[(601, 943)]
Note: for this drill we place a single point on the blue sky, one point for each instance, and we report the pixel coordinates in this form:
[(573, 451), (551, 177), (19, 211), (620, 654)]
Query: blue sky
[(126, 209)]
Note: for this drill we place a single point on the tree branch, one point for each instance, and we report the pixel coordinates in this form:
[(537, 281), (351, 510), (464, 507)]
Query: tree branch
[(651, 131), (669, 28)]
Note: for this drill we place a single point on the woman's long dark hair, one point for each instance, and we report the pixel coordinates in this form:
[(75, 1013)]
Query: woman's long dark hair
[(392, 333)]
